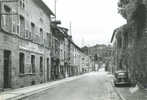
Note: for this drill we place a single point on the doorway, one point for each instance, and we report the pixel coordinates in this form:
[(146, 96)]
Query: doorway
[(48, 69), (7, 69)]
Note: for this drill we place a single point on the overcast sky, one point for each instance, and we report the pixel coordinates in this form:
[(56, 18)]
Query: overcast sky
[(93, 21)]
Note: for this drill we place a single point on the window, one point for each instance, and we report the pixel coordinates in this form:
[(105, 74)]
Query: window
[(32, 28), (14, 22), (3, 20), (27, 34), (41, 64), (21, 62), (7, 9), (33, 63), (22, 26), (18, 29), (49, 39), (7, 18), (41, 32), (14, 28), (22, 3)]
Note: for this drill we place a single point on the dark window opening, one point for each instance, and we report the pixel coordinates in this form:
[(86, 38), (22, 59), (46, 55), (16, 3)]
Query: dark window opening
[(22, 26), (7, 9), (7, 69), (41, 64), (48, 69), (32, 28), (8, 19), (21, 62), (33, 63), (41, 32)]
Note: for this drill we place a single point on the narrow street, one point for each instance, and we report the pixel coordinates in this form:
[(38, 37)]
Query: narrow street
[(92, 86)]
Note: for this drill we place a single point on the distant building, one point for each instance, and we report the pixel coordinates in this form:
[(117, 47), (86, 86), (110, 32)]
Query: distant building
[(75, 60), (99, 54)]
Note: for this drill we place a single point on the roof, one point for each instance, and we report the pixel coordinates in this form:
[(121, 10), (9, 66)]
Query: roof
[(76, 46), (61, 30), (45, 8), (121, 29), (114, 33)]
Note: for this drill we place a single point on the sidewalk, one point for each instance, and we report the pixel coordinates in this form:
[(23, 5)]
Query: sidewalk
[(30, 90), (126, 94), (130, 93)]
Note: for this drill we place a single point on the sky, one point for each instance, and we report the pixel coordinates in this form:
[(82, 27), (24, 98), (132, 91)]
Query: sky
[(92, 21)]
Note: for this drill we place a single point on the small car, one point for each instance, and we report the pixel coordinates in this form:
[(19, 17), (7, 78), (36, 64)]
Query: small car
[(121, 78)]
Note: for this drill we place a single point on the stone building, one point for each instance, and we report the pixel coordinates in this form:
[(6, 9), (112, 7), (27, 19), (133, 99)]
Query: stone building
[(130, 40), (59, 54), (55, 52), (75, 59), (25, 42), (67, 58), (63, 36)]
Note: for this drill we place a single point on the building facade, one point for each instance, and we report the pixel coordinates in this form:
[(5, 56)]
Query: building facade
[(25, 43), (130, 40)]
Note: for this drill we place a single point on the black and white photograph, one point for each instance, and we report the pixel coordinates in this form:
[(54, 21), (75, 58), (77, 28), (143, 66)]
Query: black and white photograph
[(73, 49)]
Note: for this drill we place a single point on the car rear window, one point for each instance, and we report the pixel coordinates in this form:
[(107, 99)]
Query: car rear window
[(121, 73)]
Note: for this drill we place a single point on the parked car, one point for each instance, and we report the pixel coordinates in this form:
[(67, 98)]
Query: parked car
[(121, 78)]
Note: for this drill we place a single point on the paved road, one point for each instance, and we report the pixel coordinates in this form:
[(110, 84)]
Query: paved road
[(93, 86)]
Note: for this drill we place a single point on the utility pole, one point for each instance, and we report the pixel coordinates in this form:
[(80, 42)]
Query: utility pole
[(55, 8), (70, 28)]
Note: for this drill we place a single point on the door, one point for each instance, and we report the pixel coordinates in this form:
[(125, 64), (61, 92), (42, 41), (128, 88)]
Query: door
[(48, 69), (7, 69)]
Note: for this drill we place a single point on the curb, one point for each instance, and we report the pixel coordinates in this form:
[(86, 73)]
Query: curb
[(117, 92)]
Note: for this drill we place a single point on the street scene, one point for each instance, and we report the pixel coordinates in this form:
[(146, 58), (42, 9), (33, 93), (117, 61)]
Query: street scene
[(73, 50), (92, 86)]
